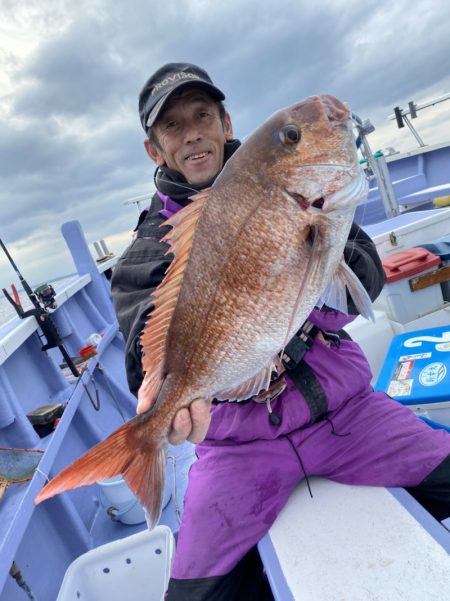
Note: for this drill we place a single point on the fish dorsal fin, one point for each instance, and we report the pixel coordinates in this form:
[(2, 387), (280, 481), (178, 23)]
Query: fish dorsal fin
[(250, 388), (165, 296)]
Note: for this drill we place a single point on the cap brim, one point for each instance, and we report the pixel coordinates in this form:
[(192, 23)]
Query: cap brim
[(202, 85)]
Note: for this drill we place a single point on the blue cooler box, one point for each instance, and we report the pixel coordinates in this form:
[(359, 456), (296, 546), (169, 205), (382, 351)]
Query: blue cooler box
[(416, 372)]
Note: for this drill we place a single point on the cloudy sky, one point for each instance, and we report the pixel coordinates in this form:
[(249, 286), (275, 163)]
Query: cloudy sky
[(71, 145)]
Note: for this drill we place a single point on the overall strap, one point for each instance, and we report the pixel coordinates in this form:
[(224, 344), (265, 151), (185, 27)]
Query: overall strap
[(301, 373), (309, 386)]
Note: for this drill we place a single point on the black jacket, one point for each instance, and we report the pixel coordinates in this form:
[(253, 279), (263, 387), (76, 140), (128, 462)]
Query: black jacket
[(142, 266)]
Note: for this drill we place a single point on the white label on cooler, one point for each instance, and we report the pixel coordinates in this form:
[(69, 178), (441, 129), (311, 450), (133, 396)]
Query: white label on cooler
[(414, 357), (432, 374), (400, 388)]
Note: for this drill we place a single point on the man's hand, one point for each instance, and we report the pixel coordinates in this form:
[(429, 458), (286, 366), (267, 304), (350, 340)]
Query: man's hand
[(191, 423)]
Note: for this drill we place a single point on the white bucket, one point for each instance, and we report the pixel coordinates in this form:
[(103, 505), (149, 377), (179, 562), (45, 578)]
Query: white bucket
[(120, 502)]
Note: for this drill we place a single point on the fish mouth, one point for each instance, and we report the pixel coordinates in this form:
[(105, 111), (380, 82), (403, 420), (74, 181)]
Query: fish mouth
[(306, 204), (350, 195), (325, 201)]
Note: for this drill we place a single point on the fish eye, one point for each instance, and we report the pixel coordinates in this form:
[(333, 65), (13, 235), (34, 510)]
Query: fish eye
[(290, 134)]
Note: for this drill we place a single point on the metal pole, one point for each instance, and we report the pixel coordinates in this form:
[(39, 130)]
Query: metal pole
[(378, 167), (401, 115), (413, 130), (424, 105)]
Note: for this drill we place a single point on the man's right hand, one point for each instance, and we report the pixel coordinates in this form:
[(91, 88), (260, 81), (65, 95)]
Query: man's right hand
[(191, 423)]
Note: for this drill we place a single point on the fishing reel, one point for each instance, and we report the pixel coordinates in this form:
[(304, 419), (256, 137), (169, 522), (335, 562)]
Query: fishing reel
[(46, 294)]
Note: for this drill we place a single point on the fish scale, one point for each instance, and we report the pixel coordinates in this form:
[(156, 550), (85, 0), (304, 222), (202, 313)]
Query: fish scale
[(253, 255)]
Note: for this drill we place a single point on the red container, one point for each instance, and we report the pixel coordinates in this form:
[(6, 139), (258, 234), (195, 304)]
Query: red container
[(397, 299), (87, 352), (407, 263)]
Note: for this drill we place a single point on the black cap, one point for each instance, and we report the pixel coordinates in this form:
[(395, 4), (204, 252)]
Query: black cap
[(165, 81)]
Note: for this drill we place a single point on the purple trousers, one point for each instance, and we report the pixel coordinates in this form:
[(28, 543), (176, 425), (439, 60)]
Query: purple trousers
[(247, 467)]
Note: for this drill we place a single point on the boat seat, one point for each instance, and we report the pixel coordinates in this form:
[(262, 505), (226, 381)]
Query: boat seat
[(135, 567), (356, 543)]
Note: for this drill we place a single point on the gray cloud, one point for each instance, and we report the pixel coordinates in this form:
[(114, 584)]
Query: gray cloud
[(75, 74), (70, 138)]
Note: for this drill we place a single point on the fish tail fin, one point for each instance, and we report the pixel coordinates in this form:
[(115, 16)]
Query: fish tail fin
[(335, 295), (140, 460), (146, 476)]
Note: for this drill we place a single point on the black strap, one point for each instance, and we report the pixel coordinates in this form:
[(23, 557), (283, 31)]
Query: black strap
[(299, 344), (301, 374), (306, 382)]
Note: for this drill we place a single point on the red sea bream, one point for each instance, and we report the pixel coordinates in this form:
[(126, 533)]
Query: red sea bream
[(254, 255)]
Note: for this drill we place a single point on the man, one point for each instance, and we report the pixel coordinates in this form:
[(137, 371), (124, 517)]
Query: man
[(327, 422)]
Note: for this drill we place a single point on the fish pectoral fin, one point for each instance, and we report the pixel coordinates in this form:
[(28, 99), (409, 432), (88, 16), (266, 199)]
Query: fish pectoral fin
[(335, 295), (141, 465), (249, 388), (164, 299)]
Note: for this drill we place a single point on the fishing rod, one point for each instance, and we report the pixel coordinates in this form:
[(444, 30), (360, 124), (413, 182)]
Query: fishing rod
[(31, 295), (42, 299)]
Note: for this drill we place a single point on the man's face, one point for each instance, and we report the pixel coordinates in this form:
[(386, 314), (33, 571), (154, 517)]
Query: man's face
[(191, 136)]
